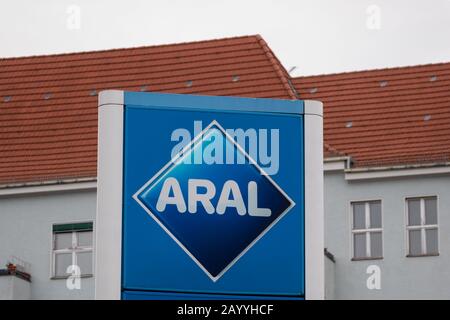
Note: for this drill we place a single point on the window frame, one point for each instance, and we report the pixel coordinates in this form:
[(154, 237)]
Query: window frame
[(366, 230), (421, 227), (74, 250)]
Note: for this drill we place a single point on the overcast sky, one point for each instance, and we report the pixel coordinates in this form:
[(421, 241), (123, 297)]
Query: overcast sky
[(317, 36)]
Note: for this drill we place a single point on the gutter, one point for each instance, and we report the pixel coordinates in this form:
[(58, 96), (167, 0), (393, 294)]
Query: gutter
[(46, 182), (339, 163), (89, 183), (400, 167), (426, 169)]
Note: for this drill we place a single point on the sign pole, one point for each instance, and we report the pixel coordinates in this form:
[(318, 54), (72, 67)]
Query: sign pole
[(108, 235), (314, 207)]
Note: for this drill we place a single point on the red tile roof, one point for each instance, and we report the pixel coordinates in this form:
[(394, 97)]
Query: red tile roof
[(48, 104), (386, 117)]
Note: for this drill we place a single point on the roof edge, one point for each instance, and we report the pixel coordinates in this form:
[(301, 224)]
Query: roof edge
[(40, 183), (256, 36), (93, 179), (279, 69), (435, 169), (399, 167), (373, 70)]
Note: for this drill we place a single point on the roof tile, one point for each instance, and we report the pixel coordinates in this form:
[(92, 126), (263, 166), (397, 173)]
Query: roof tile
[(406, 121), (48, 123)]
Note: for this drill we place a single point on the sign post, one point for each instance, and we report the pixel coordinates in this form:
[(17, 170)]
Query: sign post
[(205, 197)]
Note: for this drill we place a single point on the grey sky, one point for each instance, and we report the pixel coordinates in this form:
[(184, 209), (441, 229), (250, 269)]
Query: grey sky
[(317, 36)]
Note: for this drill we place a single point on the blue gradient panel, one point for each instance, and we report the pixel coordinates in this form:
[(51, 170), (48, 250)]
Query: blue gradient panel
[(216, 240)]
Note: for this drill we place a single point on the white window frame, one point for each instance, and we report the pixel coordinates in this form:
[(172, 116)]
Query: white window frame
[(367, 230), (422, 227), (74, 250)]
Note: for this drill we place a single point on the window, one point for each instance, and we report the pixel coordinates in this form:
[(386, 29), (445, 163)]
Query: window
[(72, 245), (422, 226), (367, 235)]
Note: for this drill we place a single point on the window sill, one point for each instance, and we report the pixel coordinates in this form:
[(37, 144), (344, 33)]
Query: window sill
[(66, 277), (422, 255), (365, 259)]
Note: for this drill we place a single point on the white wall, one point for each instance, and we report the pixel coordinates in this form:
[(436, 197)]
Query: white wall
[(6, 287), (401, 277), (329, 279), (14, 288), (26, 232)]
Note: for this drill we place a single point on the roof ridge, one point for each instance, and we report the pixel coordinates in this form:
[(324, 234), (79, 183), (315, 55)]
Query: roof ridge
[(279, 69), (375, 69), (369, 80), (129, 48)]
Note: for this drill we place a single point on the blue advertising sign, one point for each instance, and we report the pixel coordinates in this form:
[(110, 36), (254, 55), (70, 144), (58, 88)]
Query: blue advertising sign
[(213, 197)]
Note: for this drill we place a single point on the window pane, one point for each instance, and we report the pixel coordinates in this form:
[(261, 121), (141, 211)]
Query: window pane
[(415, 242), (375, 214), (432, 241), (84, 238), (63, 240), (359, 215), (84, 262), (359, 245), (62, 261), (430, 211), (376, 246), (414, 212)]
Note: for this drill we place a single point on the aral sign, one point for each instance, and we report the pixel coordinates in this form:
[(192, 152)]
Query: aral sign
[(208, 197)]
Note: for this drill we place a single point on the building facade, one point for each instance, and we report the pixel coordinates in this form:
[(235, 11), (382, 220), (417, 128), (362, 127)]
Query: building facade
[(387, 173), (28, 220), (397, 259), (387, 180)]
